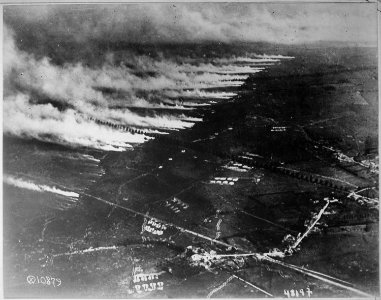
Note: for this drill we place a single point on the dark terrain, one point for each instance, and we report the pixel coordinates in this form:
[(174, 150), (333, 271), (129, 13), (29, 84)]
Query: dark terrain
[(310, 127)]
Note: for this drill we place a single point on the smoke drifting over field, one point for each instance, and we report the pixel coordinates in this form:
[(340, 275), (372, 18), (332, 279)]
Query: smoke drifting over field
[(59, 103), (25, 184), (67, 66)]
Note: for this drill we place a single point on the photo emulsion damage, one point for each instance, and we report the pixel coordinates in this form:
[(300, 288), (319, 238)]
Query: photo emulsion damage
[(205, 150)]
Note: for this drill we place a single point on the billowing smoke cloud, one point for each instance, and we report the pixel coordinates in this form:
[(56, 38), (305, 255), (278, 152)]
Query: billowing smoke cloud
[(196, 22), (60, 103), (26, 184), (63, 102), (27, 80), (45, 122)]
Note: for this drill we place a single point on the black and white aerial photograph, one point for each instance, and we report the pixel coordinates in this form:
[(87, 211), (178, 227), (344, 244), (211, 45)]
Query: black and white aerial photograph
[(190, 150)]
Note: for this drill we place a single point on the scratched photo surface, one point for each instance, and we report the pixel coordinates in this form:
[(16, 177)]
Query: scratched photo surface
[(190, 150)]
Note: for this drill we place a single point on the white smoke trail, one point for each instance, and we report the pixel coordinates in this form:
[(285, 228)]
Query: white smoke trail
[(194, 105), (190, 119), (230, 83), (228, 68), (20, 183), (208, 95), (265, 56), (240, 70), (182, 76), (200, 75), (255, 60)]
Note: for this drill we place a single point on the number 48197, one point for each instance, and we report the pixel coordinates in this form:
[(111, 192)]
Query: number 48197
[(298, 293)]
